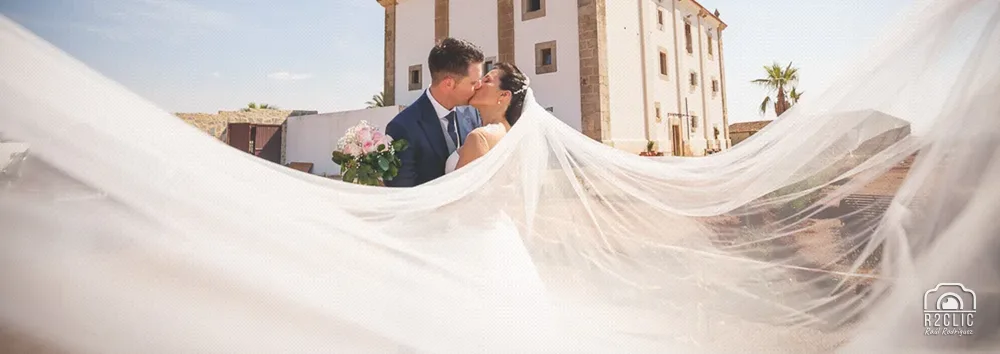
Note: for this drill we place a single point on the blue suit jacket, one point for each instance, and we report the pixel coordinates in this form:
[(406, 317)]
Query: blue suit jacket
[(424, 160)]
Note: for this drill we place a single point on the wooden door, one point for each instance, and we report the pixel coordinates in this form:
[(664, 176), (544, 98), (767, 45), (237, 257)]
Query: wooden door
[(675, 140), (238, 136), (267, 142)]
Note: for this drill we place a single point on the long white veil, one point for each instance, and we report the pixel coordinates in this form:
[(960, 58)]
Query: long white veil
[(125, 230)]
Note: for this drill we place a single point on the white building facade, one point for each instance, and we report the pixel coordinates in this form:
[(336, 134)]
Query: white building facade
[(622, 72)]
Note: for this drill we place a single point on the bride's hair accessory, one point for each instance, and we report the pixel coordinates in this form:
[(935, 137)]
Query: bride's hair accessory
[(527, 81)]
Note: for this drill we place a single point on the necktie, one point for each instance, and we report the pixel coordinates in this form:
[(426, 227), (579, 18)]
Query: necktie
[(452, 128)]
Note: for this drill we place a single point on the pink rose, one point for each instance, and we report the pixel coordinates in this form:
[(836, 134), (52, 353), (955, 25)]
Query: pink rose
[(369, 146), (364, 135), (377, 136), (352, 149)]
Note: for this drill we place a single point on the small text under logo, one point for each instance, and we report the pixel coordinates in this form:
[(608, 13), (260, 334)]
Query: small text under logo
[(949, 310)]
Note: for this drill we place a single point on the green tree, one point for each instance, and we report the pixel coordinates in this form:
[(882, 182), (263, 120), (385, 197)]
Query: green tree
[(794, 96), (253, 105), (377, 100), (780, 81)]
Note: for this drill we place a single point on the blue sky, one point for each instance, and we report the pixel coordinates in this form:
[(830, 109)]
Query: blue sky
[(326, 55)]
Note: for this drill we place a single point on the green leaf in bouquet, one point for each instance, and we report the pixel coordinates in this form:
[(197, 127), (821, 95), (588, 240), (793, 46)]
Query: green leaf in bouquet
[(400, 145), (383, 163), (366, 171), (366, 178), (350, 175), (381, 147), (340, 157)]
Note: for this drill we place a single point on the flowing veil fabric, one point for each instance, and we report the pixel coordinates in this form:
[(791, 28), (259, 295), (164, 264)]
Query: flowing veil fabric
[(125, 230)]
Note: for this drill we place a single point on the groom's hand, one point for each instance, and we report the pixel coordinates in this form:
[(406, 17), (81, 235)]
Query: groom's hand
[(407, 175)]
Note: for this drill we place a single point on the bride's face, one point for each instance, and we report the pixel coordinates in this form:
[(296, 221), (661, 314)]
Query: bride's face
[(490, 95)]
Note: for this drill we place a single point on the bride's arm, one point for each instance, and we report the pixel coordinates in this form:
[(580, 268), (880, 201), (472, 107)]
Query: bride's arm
[(475, 147)]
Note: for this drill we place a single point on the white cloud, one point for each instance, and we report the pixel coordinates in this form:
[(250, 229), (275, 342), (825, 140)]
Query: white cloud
[(185, 14), (176, 21), (111, 33), (216, 74), (287, 76)]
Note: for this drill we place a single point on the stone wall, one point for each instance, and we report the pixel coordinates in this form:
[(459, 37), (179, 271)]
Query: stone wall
[(441, 19), (216, 124), (594, 99), (389, 69), (743, 130), (505, 31)]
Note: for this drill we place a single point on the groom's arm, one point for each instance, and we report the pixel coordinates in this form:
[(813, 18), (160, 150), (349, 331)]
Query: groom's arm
[(407, 175)]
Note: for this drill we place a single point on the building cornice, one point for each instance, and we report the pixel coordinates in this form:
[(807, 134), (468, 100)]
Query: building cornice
[(703, 12), (387, 3)]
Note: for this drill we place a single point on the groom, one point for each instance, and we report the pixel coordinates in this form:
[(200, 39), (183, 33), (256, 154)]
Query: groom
[(434, 125)]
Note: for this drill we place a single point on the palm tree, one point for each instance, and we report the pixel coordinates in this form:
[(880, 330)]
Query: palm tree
[(253, 105), (794, 96), (377, 101), (779, 79)]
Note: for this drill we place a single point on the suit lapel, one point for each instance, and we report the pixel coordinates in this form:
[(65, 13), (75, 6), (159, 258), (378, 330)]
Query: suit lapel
[(431, 126)]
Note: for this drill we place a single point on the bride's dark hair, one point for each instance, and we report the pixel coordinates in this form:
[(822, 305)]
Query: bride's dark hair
[(513, 80)]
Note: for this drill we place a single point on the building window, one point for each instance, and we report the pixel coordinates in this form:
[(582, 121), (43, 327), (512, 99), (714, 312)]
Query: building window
[(715, 86), (687, 38), (416, 77), (710, 50), (532, 9), (546, 58), (694, 79), (659, 18), (659, 116), (664, 64), (488, 64)]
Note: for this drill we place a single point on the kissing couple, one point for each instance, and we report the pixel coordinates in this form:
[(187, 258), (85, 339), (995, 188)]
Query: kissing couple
[(460, 117)]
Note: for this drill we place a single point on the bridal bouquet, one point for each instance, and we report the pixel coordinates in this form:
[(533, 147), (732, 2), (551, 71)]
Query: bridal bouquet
[(367, 156)]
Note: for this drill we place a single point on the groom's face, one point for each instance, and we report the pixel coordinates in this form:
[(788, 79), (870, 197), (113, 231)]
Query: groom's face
[(466, 87)]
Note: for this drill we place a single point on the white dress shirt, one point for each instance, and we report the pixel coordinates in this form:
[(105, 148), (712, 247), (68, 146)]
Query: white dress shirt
[(442, 114)]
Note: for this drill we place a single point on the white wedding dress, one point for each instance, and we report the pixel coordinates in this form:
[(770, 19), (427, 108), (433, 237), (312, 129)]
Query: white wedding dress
[(452, 162), (494, 250), (127, 230)]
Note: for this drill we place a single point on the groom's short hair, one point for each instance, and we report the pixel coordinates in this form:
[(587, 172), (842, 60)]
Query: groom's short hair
[(452, 56)]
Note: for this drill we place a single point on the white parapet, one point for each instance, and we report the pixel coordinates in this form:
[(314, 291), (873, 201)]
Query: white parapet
[(312, 138)]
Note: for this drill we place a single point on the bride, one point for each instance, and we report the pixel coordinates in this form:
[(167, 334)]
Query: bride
[(500, 257), (500, 101)]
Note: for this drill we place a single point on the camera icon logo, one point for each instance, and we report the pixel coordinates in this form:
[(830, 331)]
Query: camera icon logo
[(949, 309)]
